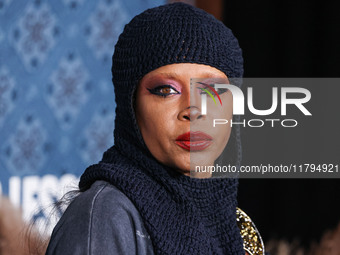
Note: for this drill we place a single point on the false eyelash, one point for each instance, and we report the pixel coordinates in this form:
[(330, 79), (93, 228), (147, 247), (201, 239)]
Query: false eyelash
[(155, 91), (221, 91)]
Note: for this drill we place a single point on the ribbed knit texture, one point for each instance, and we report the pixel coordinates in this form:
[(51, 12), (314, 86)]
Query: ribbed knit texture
[(173, 33), (182, 215)]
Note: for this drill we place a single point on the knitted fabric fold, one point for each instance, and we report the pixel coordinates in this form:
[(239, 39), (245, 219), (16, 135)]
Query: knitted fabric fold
[(182, 215)]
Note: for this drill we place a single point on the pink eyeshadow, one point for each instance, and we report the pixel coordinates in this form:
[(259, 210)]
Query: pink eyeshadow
[(156, 81)]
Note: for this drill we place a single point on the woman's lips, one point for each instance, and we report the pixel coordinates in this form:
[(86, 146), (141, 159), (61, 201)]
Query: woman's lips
[(194, 141)]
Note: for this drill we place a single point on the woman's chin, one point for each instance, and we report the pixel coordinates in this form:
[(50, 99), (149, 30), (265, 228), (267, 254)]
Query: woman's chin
[(193, 167), (194, 173)]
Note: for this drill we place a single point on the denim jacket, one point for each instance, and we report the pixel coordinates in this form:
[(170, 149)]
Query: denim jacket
[(100, 221)]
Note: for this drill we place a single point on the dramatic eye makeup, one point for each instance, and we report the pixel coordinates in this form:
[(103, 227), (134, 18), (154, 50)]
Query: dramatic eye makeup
[(221, 91), (206, 88), (163, 90)]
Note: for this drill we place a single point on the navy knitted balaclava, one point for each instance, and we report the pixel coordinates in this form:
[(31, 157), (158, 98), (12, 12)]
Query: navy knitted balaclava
[(174, 33), (182, 215)]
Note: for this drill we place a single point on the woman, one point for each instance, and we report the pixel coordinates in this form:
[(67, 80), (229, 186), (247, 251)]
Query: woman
[(140, 198)]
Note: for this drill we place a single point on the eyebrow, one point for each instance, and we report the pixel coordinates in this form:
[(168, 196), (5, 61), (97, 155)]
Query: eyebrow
[(203, 75)]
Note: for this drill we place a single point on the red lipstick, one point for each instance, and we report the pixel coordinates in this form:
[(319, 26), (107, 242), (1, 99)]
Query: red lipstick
[(194, 141)]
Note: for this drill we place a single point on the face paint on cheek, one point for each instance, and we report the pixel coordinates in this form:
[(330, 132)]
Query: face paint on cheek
[(164, 113)]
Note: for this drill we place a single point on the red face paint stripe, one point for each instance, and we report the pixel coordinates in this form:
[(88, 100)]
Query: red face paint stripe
[(212, 89)]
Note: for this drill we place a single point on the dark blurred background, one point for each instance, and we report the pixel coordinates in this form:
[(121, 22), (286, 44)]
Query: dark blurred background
[(288, 39)]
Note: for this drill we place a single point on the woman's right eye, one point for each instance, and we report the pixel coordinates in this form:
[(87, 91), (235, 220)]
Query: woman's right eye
[(164, 90)]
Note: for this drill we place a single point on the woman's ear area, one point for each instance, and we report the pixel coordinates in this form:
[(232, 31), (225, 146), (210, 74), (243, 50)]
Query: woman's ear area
[(134, 96)]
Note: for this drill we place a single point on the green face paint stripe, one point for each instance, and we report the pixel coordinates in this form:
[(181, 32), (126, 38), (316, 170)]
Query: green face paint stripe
[(213, 90), (208, 94)]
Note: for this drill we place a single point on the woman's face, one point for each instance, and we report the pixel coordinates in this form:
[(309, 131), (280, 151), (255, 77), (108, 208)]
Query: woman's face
[(168, 112)]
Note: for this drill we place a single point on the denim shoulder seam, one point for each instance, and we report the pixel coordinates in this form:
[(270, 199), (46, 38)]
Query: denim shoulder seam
[(91, 216)]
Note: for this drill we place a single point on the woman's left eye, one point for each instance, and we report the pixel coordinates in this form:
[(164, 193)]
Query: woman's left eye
[(164, 90), (221, 91)]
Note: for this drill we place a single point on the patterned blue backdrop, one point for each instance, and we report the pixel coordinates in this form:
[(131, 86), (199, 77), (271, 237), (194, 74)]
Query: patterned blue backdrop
[(56, 97)]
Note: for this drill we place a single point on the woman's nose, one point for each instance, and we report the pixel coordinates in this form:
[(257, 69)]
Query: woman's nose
[(190, 113)]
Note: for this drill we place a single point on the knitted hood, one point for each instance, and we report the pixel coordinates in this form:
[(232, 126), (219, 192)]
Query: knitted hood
[(173, 33), (183, 215)]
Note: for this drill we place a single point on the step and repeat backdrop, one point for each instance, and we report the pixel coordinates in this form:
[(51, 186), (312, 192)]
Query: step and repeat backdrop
[(56, 96)]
